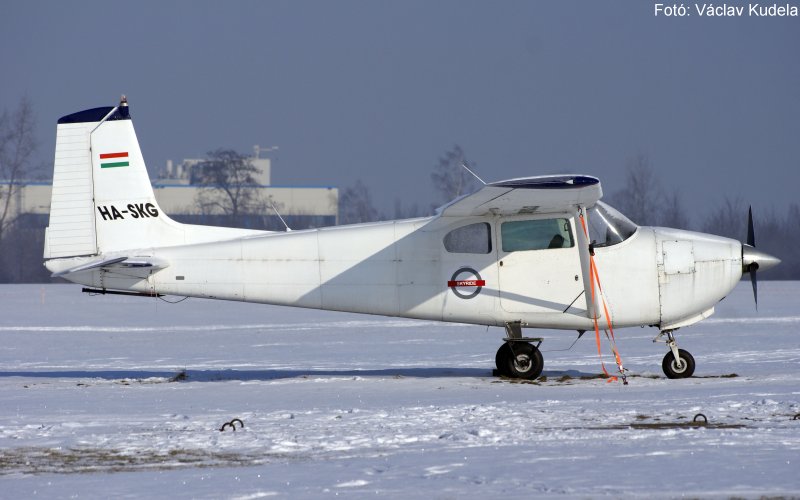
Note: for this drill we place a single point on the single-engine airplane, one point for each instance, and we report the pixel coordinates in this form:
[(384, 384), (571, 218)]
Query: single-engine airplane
[(521, 253)]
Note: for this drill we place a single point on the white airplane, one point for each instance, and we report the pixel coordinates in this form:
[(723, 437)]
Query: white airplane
[(536, 252)]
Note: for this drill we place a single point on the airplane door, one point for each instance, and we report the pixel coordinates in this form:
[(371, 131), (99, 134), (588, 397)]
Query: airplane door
[(469, 272), (538, 264)]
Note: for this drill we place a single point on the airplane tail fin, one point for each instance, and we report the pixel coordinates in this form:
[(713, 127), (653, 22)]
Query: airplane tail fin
[(102, 199)]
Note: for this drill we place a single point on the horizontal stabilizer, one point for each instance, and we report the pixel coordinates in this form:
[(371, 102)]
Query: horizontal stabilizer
[(116, 263)]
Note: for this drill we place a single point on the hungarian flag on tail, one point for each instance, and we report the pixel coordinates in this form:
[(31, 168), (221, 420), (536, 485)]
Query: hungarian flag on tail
[(111, 160)]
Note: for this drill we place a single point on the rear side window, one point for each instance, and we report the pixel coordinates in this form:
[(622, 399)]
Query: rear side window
[(474, 238), (521, 235)]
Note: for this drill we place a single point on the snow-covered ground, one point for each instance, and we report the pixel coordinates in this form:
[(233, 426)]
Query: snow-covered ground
[(118, 397)]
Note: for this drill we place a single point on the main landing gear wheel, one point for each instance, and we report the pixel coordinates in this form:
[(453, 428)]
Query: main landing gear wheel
[(500, 360), (672, 369), (519, 360)]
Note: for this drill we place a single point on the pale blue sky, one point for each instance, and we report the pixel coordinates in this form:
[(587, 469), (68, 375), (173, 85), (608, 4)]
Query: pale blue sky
[(378, 90)]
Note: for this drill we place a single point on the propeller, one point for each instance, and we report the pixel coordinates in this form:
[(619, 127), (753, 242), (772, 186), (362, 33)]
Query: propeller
[(751, 241), (752, 259)]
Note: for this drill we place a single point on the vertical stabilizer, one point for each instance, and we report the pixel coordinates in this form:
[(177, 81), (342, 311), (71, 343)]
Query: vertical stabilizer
[(102, 198)]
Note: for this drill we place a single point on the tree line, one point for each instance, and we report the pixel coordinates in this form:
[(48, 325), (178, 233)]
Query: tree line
[(227, 195)]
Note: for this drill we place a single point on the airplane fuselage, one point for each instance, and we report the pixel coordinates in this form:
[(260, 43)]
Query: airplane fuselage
[(403, 268)]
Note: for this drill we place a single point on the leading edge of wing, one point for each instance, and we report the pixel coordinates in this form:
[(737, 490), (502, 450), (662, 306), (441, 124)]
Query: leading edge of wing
[(526, 195)]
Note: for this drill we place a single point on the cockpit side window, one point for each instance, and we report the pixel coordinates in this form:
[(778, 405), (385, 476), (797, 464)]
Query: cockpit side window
[(474, 238), (607, 226), (521, 235)]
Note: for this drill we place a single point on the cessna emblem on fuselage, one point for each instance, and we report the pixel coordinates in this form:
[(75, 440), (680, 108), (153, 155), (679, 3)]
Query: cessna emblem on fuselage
[(135, 210), (466, 283)]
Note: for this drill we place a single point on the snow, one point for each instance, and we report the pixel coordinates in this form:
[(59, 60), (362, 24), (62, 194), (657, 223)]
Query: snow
[(109, 396)]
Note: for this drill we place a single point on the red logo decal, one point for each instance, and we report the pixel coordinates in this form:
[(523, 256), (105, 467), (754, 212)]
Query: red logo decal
[(106, 156), (452, 284)]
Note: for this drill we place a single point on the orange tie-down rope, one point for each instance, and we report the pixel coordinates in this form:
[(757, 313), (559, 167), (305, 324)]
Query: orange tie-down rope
[(594, 276)]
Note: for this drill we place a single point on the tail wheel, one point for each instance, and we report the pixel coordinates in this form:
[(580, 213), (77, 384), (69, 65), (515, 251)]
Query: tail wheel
[(522, 360), (671, 368)]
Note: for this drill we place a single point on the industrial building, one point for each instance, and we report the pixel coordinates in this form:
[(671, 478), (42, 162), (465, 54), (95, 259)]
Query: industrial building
[(300, 206)]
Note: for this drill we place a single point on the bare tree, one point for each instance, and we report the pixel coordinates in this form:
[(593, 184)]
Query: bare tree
[(228, 183), (355, 205), (672, 214), (776, 236), (17, 146), (21, 254), (642, 196), (645, 201), (789, 238), (272, 215), (729, 219), (408, 212), (449, 178)]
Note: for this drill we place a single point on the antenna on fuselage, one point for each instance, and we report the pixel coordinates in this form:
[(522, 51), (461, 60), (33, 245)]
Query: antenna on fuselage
[(464, 164), (288, 229)]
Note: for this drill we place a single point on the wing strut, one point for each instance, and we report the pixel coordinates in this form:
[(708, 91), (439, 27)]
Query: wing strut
[(586, 253)]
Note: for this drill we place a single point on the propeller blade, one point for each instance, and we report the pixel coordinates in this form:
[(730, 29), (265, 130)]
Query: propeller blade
[(751, 242), (754, 260)]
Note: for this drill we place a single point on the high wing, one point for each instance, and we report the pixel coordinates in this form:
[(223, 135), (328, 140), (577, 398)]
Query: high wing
[(527, 195)]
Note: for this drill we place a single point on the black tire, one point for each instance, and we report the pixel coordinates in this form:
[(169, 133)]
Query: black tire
[(501, 360), (670, 366), (523, 361)]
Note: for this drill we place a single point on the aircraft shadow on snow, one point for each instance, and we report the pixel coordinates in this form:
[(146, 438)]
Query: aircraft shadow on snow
[(270, 374)]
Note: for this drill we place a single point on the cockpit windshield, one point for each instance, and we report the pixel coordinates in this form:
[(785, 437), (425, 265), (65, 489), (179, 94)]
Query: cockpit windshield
[(607, 226)]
